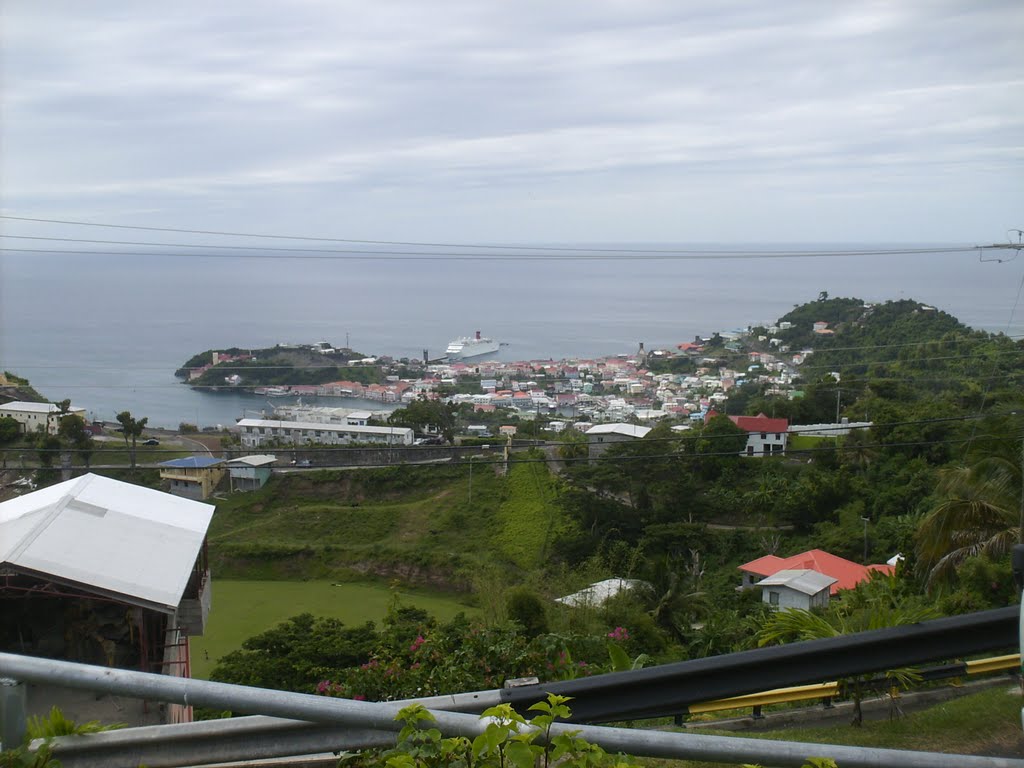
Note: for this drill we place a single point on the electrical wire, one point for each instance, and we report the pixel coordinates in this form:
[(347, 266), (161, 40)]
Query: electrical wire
[(480, 246)]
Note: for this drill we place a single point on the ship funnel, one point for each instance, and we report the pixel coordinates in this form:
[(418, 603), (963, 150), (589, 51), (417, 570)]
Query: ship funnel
[(478, 335)]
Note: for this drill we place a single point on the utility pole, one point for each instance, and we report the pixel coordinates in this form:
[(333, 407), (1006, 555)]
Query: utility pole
[(865, 519), (1021, 539)]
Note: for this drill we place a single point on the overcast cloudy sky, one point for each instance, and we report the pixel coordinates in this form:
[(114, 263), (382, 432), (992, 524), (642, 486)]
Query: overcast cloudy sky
[(522, 121)]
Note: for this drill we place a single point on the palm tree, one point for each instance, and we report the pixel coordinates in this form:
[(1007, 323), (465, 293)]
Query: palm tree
[(979, 514), (674, 594)]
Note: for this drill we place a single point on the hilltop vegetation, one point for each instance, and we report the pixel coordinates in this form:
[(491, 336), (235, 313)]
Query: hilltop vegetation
[(278, 365)]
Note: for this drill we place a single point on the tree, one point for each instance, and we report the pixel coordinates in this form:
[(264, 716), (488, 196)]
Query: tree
[(74, 436), (423, 413), (132, 429), (978, 514), (673, 588), (10, 430)]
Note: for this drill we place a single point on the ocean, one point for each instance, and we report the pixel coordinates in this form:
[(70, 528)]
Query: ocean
[(109, 331)]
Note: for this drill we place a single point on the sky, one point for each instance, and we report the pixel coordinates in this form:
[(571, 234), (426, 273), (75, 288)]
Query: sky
[(530, 121)]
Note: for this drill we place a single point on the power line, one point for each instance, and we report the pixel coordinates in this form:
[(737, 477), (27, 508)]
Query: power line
[(482, 246), (437, 256)]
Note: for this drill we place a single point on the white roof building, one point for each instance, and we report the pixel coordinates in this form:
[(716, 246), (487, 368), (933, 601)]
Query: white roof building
[(255, 432), (599, 593), (107, 537), (31, 416), (625, 430)]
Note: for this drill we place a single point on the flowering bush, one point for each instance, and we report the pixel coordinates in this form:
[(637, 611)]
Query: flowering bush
[(464, 655)]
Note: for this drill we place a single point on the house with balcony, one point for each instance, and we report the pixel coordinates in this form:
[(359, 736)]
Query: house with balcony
[(193, 477), (103, 572)]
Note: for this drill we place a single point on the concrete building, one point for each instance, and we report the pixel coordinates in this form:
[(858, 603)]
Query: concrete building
[(601, 436), (250, 473), (257, 432), (104, 572), (34, 417), (193, 477)]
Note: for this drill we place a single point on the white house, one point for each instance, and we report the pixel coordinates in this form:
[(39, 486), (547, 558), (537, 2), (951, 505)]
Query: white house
[(801, 588), (35, 416), (256, 432)]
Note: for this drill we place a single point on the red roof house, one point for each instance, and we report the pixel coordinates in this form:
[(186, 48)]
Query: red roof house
[(847, 573)]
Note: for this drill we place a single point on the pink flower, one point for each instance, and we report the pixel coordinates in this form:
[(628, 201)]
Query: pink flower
[(359, 697), (619, 634)]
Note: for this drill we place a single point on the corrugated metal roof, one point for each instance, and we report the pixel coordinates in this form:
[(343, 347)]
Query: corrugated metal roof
[(255, 460), (806, 581), (116, 537), (192, 462)]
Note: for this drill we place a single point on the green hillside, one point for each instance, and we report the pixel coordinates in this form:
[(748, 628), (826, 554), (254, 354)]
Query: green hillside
[(423, 524)]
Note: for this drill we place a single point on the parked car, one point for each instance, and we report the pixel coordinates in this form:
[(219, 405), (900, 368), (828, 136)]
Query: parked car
[(151, 441)]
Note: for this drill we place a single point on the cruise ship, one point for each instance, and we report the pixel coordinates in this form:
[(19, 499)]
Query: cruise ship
[(466, 347)]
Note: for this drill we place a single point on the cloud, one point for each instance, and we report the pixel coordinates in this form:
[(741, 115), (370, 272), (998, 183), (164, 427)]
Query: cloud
[(197, 107)]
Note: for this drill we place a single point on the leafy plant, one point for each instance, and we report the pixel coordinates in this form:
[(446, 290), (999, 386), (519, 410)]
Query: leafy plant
[(58, 724), (509, 740)]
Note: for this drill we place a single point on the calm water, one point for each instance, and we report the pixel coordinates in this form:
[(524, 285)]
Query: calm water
[(109, 331)]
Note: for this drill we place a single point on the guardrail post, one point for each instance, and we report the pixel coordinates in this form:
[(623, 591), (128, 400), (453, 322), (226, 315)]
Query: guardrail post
[(826, 703), (756, 714), (12, 713)]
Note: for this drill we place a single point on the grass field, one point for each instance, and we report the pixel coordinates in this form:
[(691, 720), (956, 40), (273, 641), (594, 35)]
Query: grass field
[(242, 609), (810, 442)]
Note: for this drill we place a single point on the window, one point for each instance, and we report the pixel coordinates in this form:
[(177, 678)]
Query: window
[(764, 435), (773, 598)]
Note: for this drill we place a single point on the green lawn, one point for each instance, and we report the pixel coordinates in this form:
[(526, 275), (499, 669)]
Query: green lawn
[(810, 442), (242, 609)]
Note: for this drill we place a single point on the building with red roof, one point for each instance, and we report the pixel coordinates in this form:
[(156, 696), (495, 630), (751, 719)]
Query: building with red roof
[(847, 573), (765, 436)]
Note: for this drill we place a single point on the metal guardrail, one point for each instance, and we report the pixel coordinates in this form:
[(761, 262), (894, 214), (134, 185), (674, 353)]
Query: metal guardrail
[(827, 691), (376, 724), (666, 690), (777, 696), (993, 664)]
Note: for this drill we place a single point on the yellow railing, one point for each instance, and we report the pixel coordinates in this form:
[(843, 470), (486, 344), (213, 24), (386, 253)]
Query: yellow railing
[(827, 690)]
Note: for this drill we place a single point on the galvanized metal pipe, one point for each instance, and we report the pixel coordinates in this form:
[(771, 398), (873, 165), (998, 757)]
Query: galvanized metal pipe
[(380, 717)]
